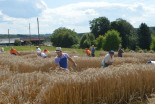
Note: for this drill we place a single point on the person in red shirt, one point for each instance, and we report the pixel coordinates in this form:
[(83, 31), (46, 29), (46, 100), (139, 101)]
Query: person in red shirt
[(13, 51), (46, 51)]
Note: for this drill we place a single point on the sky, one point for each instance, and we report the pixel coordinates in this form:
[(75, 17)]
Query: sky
[(16, 15)]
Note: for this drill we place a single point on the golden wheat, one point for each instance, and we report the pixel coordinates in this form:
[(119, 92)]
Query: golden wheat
[(29, 79)]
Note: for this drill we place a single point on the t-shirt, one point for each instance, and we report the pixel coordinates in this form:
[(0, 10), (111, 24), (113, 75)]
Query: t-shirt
[(120, 51), (13, 51), (107, 59), (93, 51), (62, 61), (43, 54), (88, 52), (38, 49)]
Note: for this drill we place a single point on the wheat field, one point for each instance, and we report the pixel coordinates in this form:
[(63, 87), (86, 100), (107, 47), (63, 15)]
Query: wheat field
[(28, 79)]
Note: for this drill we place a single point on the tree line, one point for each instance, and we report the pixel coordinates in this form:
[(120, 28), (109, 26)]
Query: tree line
[(106, 35)]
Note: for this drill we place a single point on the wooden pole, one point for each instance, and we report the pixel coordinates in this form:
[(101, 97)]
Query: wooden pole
[(38, 31), (30, 34), (9, 37)]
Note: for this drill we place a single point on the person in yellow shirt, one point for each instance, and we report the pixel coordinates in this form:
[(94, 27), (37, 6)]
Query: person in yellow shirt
[(13, 51)]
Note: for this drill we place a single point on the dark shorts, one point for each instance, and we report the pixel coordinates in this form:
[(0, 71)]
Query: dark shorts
[(93, 55), (106, 65), (13, 54)]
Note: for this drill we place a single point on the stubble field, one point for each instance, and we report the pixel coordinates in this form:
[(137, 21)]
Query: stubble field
[(32, 80)]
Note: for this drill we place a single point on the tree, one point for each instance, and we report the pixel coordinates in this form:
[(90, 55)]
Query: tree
[(153, 43), (133, 40), (86, 43), (64, 37), (124, 28), (99, 26), (112, 40), (99, 42), (144, 36), (87, 38), (17, 43)]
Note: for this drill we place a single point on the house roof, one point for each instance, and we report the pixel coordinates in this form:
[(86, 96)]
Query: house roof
[(32, 39)]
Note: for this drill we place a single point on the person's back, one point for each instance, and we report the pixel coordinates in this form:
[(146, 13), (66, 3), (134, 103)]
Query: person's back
[(13, 51), (43, 55), (88, 52), (46, 51), (38, 49)]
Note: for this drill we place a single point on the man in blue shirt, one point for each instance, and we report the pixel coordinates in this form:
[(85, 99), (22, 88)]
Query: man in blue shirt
[(61, 60), (93, 51)]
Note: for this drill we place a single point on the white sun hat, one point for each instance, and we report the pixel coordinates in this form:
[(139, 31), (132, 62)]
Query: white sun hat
[(58, 49)]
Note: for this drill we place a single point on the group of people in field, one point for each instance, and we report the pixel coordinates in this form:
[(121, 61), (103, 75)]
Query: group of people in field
[(90, 53), (40, 53), (61, 58)]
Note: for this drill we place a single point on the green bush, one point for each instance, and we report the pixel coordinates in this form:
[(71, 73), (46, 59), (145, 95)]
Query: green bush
[(17, 43), (99, 42), (28, 42), (153, 44), (137, 48), (75, 46), (87, 39), (112, 40), (86, 43), (64, 37), (127, 49)]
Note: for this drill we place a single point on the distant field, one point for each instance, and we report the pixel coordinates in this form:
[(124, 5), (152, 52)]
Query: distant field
[(28, 79)]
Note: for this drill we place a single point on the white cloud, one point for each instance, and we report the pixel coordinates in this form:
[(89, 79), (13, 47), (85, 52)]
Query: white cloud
[(77, 16)]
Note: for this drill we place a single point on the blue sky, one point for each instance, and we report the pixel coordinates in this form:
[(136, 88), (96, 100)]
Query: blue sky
[(74, 14)]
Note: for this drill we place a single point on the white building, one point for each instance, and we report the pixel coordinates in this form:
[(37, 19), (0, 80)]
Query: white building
[(7, 42)]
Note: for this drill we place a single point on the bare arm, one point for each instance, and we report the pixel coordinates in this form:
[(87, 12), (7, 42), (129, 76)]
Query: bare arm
[(70, 59), (109, 63)]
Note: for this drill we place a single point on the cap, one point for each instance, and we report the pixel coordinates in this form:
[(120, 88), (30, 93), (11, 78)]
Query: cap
[(111, 52), (37, 46), (58, 49), (149, 61)]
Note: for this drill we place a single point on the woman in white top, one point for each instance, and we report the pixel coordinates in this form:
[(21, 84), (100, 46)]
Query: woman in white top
[(38, 49)]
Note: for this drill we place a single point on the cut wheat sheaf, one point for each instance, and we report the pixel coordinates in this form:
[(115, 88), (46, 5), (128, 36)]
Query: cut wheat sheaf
[(32, 80)]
